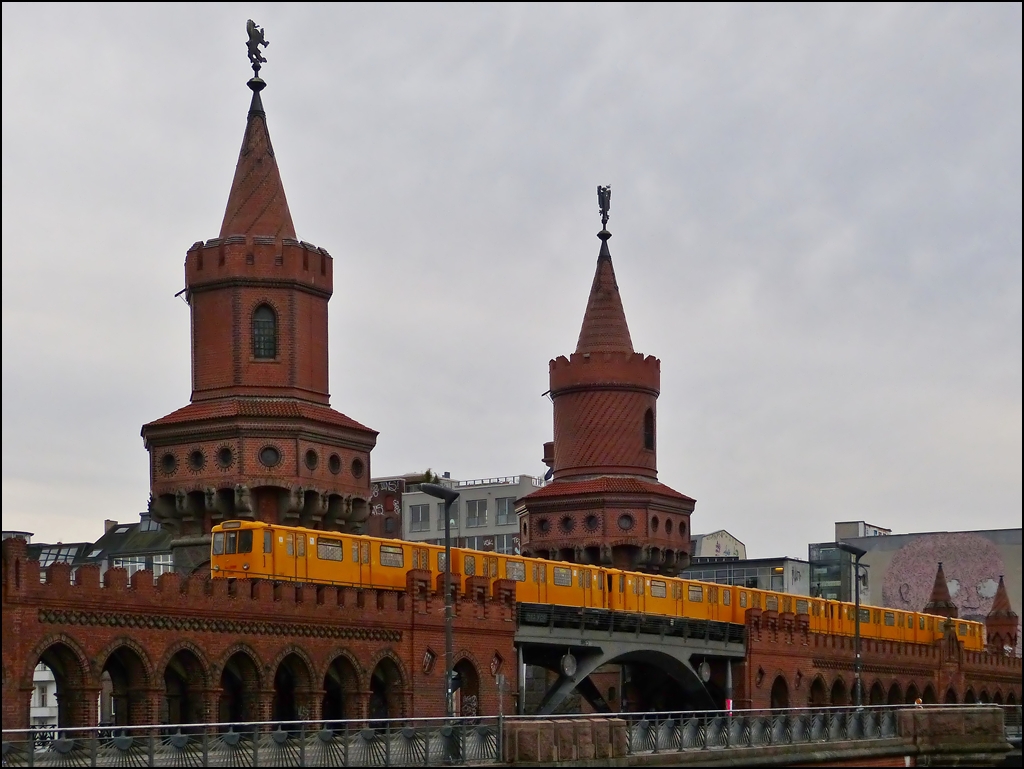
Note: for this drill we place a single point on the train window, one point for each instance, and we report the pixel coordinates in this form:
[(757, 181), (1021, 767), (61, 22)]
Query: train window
[(658, 588), (515, 570), (743, 599), (757, 600), (865, 616), (599, 581), (469, 568), (638, 587), (890, 618), (585, 579), (677, 591), (563, 577), (610, 587), (218, 543), (801, 606), (231, 544), (393, 556), (787, 605), (492, 567), (622, 583), (300, 540), (771, 602), (877, 616), (962, 628), (364, 552), (712, 595), (329, 549), (268, 541), (245, 541), (289, 544), (543, 573), (696, 593), (726, 597)]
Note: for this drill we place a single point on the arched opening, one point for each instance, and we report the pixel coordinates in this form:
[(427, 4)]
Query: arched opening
[(984, 697), (780, 693), (950, 696), (387, 691), (818, 696), (877, 694), (60, 680), (292, 685), (649, 430), (997, 698), (128, 684), (1011, 699), (969, 697), (184, 682), (264, 333), (839, 693), (912, 695), (341, 690), (895, 695), (240, 687), (928, 696), (467, 696)]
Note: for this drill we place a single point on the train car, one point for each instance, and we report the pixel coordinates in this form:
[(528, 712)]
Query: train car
[(250, 550)]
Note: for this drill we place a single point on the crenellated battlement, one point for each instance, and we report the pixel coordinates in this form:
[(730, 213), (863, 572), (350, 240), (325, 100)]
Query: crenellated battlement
[(239, 257), (605, 370)]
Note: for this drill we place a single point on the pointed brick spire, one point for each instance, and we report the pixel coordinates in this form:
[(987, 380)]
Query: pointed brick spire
[(257, 204), (1001, 622), (941, 602), (1001, 603), (604, 323)]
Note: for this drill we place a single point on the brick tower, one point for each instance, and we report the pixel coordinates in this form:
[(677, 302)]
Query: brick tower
[(259, 439), (605, 505), (940, 602), (1001, 623)]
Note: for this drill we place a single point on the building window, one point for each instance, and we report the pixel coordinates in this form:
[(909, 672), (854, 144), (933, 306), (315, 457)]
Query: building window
[(132, 563), (419, 518), (649, 430), (506, 510), (507, 544), (389, 525), (474, 543), (476, 513), (264, 333), (453, 513), (162, 564)]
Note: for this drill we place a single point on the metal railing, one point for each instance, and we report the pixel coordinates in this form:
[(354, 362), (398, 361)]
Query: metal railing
[(394, 742), (432, 742)]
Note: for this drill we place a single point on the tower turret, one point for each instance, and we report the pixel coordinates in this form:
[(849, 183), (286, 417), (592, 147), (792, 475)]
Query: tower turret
[(1001, 623)]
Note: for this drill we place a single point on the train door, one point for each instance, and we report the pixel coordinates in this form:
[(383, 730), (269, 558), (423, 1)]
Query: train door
[(361, 562), (540, 580), (585, 583), (301, 566), (268, 553)]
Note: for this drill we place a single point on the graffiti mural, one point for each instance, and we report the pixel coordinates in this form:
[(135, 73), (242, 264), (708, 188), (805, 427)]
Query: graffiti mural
[(972, 565)]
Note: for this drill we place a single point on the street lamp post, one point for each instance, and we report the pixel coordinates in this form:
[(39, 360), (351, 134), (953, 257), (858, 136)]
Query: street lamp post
[(448, 496), (857, 553)]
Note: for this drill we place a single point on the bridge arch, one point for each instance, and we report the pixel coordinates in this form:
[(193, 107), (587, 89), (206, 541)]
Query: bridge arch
[(387, 686), (817, 695), (895, 694), (130, 680), (951, 698), (1011, 699), (240, 684), (780, 692), (839, 694), (187, 677), (293, 685), (341, 679), (912, 694), (76, 699), (876, 694), (928, 696), (997, 698)]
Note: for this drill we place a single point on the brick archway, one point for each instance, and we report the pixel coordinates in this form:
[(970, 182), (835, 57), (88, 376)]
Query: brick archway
[(293, 686), (387, 687), (818, 695), (876, 694), (839, 695), (187, 680), (76, 689), (240, 685), (895, 696), (780, 692), (467, 700), (132, 691), (342, 697), (912, 694)]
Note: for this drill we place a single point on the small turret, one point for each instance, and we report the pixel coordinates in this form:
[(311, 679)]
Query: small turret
[(941, 602), (1001, 623)]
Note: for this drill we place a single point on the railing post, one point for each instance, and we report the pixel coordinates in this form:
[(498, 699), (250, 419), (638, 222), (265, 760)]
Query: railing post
[(302, 744), (387, 742), (255, 745), (500, 741), (152, 747), (94, 746)]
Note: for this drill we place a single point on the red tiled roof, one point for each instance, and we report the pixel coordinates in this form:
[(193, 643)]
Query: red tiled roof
[(604, 323), (260, 408), (257, 204), (606, 485)]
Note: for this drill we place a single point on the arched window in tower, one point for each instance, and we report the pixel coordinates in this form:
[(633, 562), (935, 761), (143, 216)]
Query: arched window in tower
[(264, 333), (649, 430)]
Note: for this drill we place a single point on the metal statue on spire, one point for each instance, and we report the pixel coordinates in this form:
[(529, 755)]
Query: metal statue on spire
[(256, 39), (604, 199)]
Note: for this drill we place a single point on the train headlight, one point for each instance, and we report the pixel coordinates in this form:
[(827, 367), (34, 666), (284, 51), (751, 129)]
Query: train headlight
[(216, 568), (245, 566)]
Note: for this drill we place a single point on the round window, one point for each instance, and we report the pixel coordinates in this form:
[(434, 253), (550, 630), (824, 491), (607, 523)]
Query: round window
[(357, 468), (334, 464), (593, 523), (567, 524), (225, 456), (626, 522), (168, 463), (270, 456), (654, 523), (312, 459), (668, 526), (543, 525), (196, 460)]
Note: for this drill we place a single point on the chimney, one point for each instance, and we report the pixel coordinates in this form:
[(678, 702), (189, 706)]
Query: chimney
[(108, 525)]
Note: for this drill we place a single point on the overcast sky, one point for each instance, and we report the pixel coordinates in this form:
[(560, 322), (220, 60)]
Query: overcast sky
[(816, 219)]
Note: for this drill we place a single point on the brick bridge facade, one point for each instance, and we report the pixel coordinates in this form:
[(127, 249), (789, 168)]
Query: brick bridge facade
[(201, 650)]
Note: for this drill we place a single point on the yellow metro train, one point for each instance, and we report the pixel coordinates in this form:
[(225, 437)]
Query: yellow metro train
[(251, 550)]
